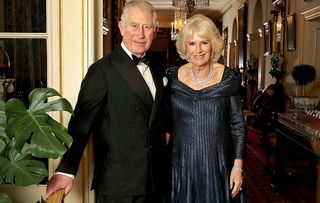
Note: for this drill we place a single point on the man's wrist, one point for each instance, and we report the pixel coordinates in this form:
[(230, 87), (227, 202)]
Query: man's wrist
[(65, 174)]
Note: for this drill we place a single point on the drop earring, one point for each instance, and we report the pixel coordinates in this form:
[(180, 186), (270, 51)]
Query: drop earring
[(212, 54)]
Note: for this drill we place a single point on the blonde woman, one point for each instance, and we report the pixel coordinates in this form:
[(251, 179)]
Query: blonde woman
[(208, 133)]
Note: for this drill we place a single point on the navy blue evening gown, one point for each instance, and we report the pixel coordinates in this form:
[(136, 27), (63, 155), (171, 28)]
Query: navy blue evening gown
[(208, 133)]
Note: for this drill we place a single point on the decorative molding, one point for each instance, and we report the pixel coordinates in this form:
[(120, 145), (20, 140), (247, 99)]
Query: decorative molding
[(311, 14), (306, 16), (54, 58), (22, 35), (225, 9)]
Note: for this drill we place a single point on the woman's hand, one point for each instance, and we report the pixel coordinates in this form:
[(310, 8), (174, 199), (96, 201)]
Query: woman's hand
[(235, 181)]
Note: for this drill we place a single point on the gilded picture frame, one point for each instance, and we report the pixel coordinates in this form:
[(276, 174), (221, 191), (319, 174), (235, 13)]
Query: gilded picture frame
[(267, 36), (291, 32)]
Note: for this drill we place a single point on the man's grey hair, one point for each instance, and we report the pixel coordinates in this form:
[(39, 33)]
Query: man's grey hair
[(139, 3)]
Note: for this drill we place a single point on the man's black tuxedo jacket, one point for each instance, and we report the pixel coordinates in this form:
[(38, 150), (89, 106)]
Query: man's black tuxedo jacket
[(116, 106)]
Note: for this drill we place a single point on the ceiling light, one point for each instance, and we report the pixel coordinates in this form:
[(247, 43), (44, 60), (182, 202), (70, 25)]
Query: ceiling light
[(183, 10)]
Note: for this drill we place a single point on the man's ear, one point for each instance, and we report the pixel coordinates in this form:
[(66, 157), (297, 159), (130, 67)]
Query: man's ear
[(121, 27), (156, 29)]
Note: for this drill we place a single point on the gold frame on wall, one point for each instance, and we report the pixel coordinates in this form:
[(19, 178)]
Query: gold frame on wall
[(291, 32), (278, 27), (225, 40), (242, 27), (117, 8), (121, 6), (267, 36)]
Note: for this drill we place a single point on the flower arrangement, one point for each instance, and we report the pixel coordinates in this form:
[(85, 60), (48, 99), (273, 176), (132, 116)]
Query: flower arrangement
[(276, 62)]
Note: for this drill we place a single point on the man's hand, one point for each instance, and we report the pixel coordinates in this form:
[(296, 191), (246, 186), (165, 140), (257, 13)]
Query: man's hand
[(57, 182)]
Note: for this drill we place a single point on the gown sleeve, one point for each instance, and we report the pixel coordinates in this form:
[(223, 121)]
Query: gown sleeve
[(238, 128)]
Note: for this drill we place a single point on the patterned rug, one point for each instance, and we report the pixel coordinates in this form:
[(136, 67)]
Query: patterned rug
[(259, 184)]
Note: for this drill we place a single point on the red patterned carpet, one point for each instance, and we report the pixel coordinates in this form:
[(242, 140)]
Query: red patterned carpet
[(259, 184)]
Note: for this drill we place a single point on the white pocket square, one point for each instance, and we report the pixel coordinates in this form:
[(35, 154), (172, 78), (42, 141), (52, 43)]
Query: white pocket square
[(165, 81)]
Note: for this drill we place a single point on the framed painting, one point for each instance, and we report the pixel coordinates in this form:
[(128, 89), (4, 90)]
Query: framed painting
[(225, 39), (278, 26), (291, 32), (267, 35), (117, 8), (242, 28)]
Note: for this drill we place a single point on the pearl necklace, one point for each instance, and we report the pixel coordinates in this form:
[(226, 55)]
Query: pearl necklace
[(204, 81)]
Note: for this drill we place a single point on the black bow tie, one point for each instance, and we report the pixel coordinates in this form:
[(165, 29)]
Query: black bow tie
[(144, 60)]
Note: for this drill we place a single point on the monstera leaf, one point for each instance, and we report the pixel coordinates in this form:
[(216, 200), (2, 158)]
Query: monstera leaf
[(29, 133), (3, 124), (47, 137), (20, 170), (5, 198)]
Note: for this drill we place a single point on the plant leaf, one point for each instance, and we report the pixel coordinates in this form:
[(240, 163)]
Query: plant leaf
[(4, 198), (38, 97), (2, 105), (58, 142), (48, 138), (22, 172), (2, 145), (3, 120)]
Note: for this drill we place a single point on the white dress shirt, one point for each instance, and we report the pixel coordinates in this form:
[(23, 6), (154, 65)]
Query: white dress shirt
[(145, 72)]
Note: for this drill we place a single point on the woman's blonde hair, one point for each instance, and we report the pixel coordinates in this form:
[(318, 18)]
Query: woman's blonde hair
[(204, 27)]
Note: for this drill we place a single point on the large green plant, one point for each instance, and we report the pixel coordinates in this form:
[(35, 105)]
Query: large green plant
[(29, 133)]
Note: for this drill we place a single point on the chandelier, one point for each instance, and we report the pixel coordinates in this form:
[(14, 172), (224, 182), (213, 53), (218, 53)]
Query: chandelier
[(182, 10), (180, 17), (190, 4)]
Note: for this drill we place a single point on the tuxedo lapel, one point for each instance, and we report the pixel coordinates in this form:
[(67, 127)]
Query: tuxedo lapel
[(129, 71), (158, 81)]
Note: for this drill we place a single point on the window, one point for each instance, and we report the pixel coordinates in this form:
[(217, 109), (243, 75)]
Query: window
[(24, 42), (29, 48)]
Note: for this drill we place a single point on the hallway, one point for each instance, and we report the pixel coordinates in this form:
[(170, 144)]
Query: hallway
[(260, 187)]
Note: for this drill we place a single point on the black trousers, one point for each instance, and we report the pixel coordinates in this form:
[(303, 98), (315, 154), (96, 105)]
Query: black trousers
[(129, 199)]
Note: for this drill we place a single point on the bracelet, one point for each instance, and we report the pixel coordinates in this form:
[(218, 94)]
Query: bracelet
[(237, 169)]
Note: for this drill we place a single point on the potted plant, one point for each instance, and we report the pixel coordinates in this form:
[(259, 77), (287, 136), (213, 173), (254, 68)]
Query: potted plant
[(30, 133), (303, 74)]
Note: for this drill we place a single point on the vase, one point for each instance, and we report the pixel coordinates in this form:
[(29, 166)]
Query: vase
[(303, 103)]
